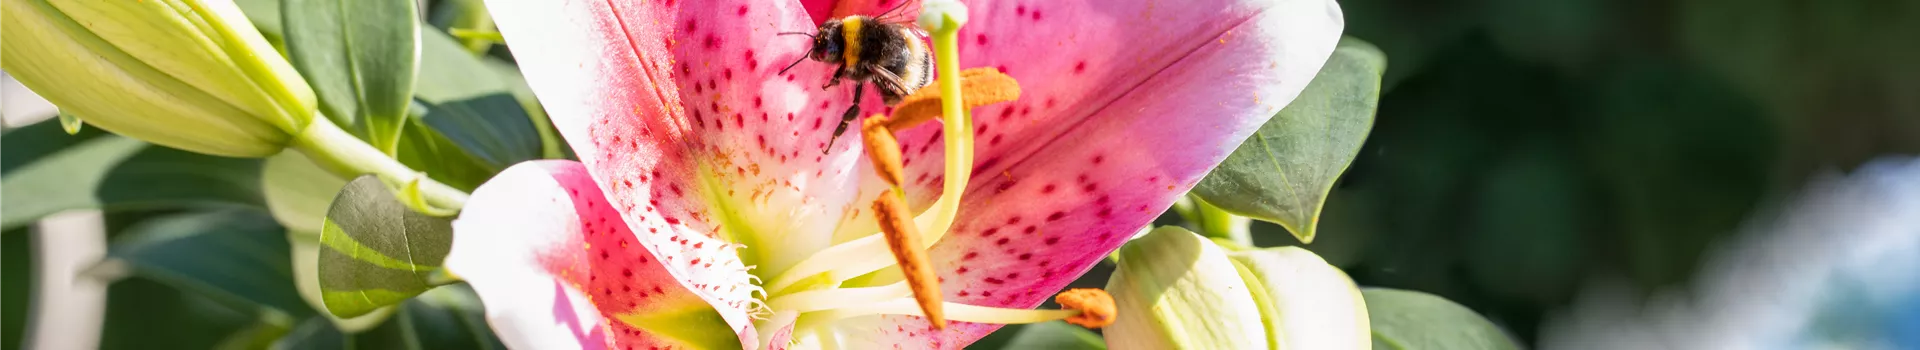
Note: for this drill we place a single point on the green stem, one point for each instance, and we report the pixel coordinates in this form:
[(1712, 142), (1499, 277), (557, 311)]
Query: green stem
[(337, 151), (1218, 223)]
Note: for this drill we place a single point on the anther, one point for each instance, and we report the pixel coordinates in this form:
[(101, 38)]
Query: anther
[(1095, 306), (898, 228), (883, 150), (978, 87)]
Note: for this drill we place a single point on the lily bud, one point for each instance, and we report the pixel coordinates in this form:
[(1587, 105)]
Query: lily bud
[(1309, 304), (1178, 290), (187, 74)]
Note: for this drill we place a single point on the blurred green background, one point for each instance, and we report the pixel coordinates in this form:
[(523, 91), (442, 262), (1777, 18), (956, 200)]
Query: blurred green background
[(1523, 150)]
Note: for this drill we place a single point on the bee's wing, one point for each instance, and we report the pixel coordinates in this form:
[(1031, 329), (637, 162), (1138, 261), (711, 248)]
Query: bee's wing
[(892, 88)]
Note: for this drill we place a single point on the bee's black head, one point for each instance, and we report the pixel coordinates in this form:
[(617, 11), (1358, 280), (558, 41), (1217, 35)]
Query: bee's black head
[(827, 43)]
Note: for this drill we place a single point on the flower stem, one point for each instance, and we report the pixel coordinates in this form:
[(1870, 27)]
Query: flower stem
[(337, 151)]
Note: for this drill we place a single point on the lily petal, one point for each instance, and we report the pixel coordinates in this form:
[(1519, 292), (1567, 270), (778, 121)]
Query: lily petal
[(557, 266), (1139, 103), (686, 100)]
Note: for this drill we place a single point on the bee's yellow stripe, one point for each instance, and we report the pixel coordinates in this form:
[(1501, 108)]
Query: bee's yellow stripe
[(850, 30)]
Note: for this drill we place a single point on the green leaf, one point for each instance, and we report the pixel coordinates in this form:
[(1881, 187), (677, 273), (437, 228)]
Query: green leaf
[(1056, 335), (46, 171), (314, 333), (361, 57), (1283, 173), (551, 146), (377, 252), (237, 254), (1409, 320), (144, 314), (444, 318), (468, 16), (451, 317), (426, 149), (260, 335), (473, 106)]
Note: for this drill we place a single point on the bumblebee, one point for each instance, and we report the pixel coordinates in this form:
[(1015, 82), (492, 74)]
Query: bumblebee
[(893, 55)]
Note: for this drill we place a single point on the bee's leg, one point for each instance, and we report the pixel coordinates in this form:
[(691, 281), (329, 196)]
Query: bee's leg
[(838, 73), (846, 118)]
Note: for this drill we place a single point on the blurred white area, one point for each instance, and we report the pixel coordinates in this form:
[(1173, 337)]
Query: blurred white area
[(67, 307), (19, 106), (1837, 267)]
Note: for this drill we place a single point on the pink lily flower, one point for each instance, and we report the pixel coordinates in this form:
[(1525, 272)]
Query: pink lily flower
[(703, 213)]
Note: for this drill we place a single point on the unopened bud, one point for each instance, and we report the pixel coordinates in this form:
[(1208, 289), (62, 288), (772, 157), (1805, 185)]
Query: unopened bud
[(188, 74)]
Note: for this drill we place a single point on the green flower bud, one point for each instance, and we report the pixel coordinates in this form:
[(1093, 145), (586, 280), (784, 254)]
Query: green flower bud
[(188, 74), (1178, 290)]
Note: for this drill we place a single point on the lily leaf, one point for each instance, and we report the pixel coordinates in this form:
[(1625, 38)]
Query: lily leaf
[(315, 333), (376, 251), (1409, 320), (445, 318), (235, 254), (427, 149), (45, 171), (473, 106), (1283, 173), (361, 57)]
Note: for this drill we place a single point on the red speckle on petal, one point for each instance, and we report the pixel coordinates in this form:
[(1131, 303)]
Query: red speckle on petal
[(1013, 220), (1023, 257), (1048, 189), (743, 11), (970, 256), (989, 232), (980, 39), (1052, 240), (1020, 10), (994, 281), (1080, 67), (1036, 14), (1002, 241), (1098, 159)]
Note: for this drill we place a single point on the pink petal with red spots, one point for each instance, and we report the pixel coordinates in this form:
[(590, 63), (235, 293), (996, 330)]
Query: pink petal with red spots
[(1139, 102), (678, 110), (558, 268)]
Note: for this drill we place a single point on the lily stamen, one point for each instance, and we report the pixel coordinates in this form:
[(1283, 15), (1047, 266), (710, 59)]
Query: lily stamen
[(860, 256), (1090, 308)]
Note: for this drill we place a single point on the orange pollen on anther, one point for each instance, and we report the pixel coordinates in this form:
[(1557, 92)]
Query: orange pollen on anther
[(884, 150), (897, 226), (978, 87), (1095, 306)]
